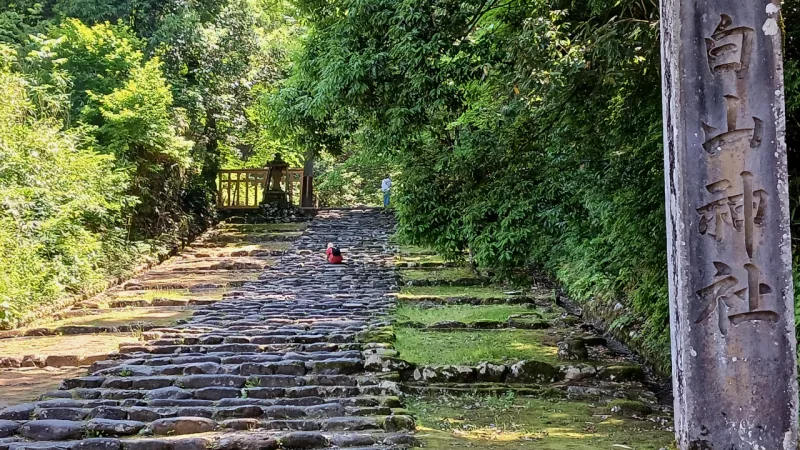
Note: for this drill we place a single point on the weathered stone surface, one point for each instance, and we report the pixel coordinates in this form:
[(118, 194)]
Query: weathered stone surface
[(108, 427), (383, 363), (728, 233), (448, 324), (532, 372), (18, 412), (245, 442), (444, 374), (572, 349), (51, 430), (488, 372), (283, 360), (172, 392), (182, 425), (578, 372), (622, 373), (353, 440), (8, 428), (145, 444), (398, 423), (98, 444), (303, 440)]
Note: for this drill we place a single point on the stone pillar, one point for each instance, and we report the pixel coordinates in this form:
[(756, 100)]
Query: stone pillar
[(730, 275)]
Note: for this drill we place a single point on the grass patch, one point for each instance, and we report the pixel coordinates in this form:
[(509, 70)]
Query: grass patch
[(420, 259), (455, 273), (413, 250), (472, 347), (120, 317), (460, 313), (415, 292), (500, 423), (172, 294)]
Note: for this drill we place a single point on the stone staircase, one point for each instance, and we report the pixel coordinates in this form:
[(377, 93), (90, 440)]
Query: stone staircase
[(278, 363)]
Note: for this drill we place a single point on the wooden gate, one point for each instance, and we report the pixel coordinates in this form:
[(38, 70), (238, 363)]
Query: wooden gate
[(241, 189), (244, 188)]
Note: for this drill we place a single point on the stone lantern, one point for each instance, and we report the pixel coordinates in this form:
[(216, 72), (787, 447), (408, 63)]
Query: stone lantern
[(277, 180)]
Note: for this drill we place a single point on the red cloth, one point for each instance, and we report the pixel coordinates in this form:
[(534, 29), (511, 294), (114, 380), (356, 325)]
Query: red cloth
[(332, 258)]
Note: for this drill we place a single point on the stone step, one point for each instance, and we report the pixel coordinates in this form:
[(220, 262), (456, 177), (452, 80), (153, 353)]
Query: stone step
[(277, 363), (237, 440)]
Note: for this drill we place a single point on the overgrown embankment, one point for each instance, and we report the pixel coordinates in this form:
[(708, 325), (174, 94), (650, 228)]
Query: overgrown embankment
[(113, 122), (527, 132), (485, 366)]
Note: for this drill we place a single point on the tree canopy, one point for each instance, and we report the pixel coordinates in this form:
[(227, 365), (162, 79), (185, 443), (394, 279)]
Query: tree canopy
[(118, 116), (527, 132)]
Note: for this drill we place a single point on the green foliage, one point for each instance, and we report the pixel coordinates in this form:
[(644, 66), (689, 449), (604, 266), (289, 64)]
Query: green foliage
[(460, 313), (472, 347), (353, 178), (95, 59), (60, 221), (138, 103), (526, 132)]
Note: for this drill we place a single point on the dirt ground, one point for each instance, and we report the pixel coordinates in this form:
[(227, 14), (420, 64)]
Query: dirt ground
[(24, 385)]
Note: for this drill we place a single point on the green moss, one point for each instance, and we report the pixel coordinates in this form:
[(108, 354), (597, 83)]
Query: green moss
[(415, 292), (472, 347), (377, 335), (420, 259), (172, 294), (456, 273), (460, 313), (500, 423), (623, 407), (413, 250)]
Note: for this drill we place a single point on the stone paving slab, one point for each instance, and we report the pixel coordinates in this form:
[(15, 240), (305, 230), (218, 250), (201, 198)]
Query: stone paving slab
[(279, 363)]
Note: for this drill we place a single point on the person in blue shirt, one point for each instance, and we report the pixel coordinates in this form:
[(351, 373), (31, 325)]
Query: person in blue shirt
[(386, 187)]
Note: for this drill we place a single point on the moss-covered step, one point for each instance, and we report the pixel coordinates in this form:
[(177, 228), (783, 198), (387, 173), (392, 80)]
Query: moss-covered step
[(459, 276), (474, 295), (475, 317), (233, 249), (119, 298), (190, 263), (513, 422), (191, 280), (472, 347)]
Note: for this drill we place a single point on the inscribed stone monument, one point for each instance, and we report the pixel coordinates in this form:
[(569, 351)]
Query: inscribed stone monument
[(731, 299)]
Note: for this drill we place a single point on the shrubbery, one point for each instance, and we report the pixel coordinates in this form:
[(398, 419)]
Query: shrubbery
[(113, 122), (61, 222), (527, 132)]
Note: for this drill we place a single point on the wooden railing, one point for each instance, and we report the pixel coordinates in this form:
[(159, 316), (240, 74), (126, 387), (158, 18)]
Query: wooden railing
[(241, 189), (244, 188), (295, 186)]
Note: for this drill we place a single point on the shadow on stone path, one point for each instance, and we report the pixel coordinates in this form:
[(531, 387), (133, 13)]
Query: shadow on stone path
[(276, 364)]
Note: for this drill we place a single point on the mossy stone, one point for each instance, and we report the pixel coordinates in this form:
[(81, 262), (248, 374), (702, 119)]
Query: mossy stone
[(622, 373), (622, 407)]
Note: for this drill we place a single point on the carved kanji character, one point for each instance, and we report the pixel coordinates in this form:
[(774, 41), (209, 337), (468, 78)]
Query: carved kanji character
[(725, 294), (734, 138), (729, 48)]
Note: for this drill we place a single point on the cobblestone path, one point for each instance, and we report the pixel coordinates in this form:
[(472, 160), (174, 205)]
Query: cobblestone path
[(276, 364)]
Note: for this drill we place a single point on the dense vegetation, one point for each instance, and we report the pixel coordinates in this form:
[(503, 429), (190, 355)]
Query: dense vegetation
[(528, 132), (115, 118)]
